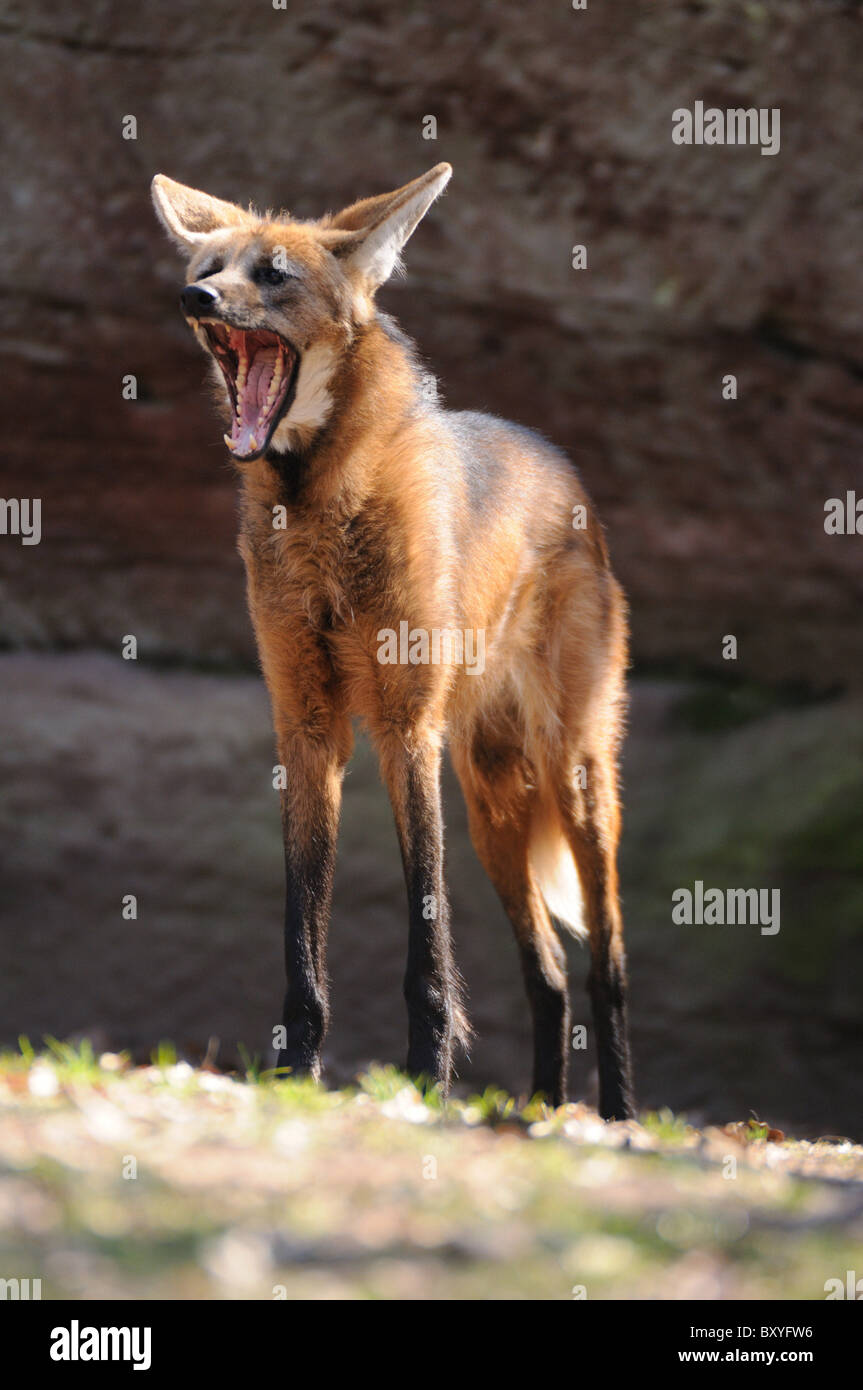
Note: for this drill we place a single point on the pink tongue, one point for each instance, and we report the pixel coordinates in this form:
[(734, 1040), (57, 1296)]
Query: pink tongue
[(249, 427)]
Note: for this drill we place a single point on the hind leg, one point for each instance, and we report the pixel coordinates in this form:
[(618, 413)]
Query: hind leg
[(591, 822), (496, 784)]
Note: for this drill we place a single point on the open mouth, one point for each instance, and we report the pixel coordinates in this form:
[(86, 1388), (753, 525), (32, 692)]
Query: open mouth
[(260, 371)]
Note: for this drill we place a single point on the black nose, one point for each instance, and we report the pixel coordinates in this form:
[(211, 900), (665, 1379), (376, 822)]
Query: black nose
[(197, 300)]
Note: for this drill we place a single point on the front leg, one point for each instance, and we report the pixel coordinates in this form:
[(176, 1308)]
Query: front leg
[(310, 804), (411, 769)]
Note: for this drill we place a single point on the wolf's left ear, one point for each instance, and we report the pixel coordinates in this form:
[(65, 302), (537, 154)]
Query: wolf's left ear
[(373, 232), (189, 216)]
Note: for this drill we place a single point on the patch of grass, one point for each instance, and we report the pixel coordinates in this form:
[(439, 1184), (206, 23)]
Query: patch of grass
[(253, 1069), (667, 1127), (379, 1192), (77, 1061), (387, 1083), (164, 1055), (300, 1094), (494, 1106)]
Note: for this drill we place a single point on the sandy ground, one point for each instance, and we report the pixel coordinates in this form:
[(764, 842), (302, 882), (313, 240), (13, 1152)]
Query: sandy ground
[(170, 1183)]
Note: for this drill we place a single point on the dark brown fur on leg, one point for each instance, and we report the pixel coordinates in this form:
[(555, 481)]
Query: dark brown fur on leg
[(543, 965), (593, 835), (310, 817), (432, 986)]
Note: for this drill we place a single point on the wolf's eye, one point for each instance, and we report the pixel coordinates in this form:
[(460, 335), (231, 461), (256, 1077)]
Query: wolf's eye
[(271, 275), (210, 270)]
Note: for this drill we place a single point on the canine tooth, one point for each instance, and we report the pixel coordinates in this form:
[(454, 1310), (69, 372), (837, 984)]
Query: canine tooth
[(227, 439)]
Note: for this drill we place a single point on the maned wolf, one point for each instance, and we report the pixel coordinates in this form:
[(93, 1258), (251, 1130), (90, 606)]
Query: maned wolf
[(384, 537)]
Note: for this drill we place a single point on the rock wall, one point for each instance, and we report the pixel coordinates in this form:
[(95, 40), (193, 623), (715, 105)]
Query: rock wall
[(161, 786), (702, 261)]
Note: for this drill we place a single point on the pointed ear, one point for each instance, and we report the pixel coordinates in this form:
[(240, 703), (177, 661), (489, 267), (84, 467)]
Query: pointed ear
[(374, 231), (188, 216)]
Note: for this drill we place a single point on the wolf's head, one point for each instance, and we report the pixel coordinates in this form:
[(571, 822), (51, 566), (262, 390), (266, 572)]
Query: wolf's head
[(277, 302)]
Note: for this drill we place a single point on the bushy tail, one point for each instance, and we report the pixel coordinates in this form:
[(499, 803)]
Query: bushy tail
[(555, 872)]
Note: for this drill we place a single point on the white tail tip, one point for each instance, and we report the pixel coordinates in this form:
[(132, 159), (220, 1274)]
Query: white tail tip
[(556, 875)]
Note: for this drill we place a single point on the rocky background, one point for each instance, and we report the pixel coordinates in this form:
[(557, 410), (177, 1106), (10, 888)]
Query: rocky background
[(701, 262)]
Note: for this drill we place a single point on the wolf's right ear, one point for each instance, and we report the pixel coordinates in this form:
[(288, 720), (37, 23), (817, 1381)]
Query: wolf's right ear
[(188, 216)]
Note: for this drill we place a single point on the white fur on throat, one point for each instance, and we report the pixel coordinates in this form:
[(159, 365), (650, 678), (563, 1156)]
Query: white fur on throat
[(312, 403)]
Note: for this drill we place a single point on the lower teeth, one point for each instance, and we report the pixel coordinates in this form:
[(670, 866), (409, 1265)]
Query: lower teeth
[(272, 395)]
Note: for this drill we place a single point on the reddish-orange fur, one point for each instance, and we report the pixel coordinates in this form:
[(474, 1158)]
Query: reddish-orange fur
[(392, 509)]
